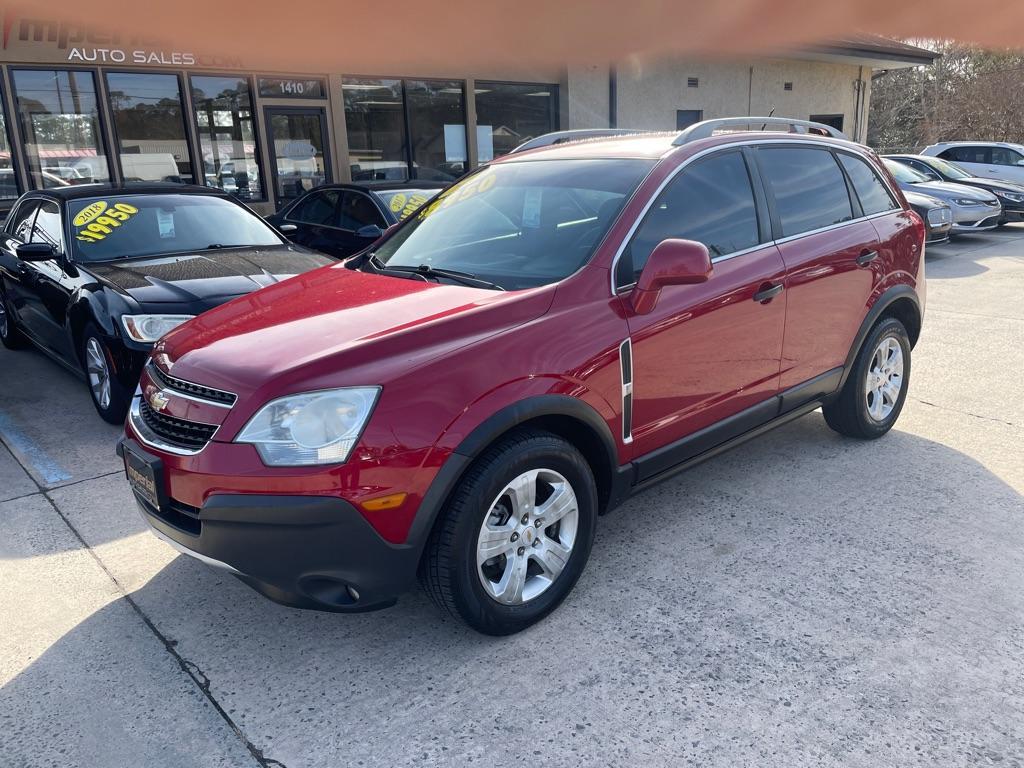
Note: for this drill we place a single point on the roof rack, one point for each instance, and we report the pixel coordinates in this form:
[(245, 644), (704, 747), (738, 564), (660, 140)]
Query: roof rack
[(579, 134), (707, 128)]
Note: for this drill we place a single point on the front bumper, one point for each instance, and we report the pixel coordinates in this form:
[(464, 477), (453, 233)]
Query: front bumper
[(975, 218), (313, 552)]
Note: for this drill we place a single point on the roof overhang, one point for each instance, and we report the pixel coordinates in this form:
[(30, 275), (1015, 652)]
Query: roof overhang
[(877, 53)]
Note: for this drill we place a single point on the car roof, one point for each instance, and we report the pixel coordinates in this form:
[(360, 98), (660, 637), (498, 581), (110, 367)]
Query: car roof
[(975, 144), (79, 191)]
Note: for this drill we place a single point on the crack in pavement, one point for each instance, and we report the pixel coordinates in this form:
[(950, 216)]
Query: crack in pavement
[(201, 680), (964, 413)]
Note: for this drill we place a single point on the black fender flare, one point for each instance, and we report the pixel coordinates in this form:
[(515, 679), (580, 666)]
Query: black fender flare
[(490, 430), (889, 297)]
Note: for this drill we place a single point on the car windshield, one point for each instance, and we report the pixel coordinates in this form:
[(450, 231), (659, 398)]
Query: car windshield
[(126, 226), (403, 202), (519, 224), (948, 169), (904, 174)]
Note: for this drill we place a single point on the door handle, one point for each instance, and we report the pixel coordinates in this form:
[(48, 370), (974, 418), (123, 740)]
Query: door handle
[(866, 257), (768, 292)]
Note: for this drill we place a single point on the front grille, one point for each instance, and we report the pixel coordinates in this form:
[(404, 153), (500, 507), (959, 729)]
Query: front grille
[(166, 381), (177, 432)]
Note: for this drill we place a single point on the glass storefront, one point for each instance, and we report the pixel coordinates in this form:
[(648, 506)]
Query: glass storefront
[(149, 122), (227, 135), (8, 177), (60, 126), (507, 114), (297, 141), (411, 129)]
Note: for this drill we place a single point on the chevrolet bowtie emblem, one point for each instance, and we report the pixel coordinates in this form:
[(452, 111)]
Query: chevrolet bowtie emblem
[(157, 400)]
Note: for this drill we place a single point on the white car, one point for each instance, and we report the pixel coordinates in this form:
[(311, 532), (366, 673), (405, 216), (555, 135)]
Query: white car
[(987, 159)]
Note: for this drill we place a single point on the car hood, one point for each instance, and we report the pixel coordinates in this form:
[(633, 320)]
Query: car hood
[(923, 200), (1003, 186), (338, 327), (947, 190), (205, 279)]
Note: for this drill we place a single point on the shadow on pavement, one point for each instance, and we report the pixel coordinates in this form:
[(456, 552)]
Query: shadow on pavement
[(803, 598)]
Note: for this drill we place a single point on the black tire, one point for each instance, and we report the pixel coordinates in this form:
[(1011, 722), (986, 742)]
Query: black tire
[(449, 571), (10, 334), (848, 414), (116, 409)]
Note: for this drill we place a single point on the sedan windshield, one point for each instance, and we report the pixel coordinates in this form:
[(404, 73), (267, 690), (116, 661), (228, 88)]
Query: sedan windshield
[(126, 226), (949, 170), (516, 225), (904, 173)]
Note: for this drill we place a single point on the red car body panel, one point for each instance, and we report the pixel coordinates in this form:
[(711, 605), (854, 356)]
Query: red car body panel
[(448, 358)]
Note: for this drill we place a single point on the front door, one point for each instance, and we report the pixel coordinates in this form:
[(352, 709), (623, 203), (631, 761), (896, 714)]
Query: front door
[(709, 351), (298, 150)]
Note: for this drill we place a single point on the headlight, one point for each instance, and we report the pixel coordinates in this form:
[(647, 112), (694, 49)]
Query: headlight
[(1013, 197), (151, 327), (311, 428), (962, 201)]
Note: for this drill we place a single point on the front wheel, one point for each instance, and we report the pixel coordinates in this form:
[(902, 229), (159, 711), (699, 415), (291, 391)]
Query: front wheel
[(108, 395), (516, 535), (874, 393)]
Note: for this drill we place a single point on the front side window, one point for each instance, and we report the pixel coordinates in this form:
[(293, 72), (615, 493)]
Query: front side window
[(1006, 156), (507, 114), (358, 210), (20, 223), (519, 225), (873, 195), (318, 208), (711, 201), (150, 123), (47, 228), (809, 189), (61, 124), (127, 226), (227, 138)]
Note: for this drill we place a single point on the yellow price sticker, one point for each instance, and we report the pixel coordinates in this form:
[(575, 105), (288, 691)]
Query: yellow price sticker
[(96, 223), (398, 202), (89, 213)]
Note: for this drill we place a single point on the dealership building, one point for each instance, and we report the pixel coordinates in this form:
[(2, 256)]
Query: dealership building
[(81, 106)]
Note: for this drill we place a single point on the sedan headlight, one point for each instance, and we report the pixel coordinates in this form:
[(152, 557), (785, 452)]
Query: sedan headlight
[(1013, 197), (149, 328), (312, 428), (964, 201)]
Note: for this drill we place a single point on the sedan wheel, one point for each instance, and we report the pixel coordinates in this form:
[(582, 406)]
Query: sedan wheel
[(99, 373), (527, 537)]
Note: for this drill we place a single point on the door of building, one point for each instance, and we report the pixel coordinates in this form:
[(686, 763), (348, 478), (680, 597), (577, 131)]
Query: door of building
[(299, 159)]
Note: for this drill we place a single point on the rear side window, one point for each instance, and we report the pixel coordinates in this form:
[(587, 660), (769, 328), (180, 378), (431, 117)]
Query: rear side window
[(967, 155), (711, 201), (873, 195), (319, 208), (810, 191)]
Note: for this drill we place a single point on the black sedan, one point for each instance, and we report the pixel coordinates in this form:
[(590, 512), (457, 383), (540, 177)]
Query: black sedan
[(937, 216), (342, 219), (94, 274), (1011, 195)]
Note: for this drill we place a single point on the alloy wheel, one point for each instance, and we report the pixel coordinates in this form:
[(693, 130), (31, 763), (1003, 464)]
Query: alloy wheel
[(3, 319), (527, 537), (884, 379), (98, 372)]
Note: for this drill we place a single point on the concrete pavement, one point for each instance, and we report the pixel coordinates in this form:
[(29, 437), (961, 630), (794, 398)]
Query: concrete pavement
[(802, 600)]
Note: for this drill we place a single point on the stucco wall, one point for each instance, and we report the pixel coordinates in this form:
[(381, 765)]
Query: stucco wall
[(649, 91)]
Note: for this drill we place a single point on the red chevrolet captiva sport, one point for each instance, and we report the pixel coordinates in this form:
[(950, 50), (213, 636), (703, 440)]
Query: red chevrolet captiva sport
[(560, 329)]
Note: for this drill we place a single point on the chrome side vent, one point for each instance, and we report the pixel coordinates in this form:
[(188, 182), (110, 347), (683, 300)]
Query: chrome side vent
[(626, 372)]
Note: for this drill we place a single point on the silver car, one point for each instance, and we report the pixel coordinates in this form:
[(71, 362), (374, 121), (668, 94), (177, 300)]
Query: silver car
[(974, 210)]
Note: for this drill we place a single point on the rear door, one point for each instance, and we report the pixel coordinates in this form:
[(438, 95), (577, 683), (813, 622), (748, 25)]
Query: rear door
[(828, 248), (707, 351), (16, 274)]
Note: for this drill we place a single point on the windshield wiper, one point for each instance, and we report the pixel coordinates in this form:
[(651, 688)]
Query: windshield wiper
[(466, 278)]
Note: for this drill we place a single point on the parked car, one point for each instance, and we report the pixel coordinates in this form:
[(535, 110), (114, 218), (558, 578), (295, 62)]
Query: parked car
[(974, 210), (1011, 196), (342, 219), (93, 275), (989, 159), (556, 331), (937, 216)]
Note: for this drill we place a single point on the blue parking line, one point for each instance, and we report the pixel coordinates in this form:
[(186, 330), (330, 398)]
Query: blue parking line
[(49, 470)]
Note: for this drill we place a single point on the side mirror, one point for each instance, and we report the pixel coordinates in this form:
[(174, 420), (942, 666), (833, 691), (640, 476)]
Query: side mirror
[(1020, 162), (370, 232), (287, 229), (35, 252), (672, 262)]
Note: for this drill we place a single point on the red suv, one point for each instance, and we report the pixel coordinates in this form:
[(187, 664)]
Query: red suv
[(556, 331)]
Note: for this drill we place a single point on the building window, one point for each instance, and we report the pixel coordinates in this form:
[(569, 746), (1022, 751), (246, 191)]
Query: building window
[(8, 175), (61, 127), (149, 120), (507, 114), (692, 82), (405, 129), (375, 120), (834, 121), (687, 117), (227, 137), (787, 86)]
